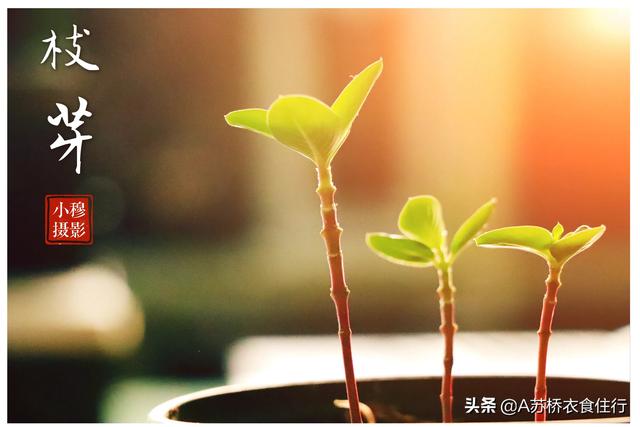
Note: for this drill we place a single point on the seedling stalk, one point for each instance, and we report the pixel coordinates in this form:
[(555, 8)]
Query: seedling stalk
[(331, 232), (549, 304), (448, 328)]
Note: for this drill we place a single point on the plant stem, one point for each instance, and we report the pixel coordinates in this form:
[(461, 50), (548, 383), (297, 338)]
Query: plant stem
[(546, 318), (448, 328), (331, 232)]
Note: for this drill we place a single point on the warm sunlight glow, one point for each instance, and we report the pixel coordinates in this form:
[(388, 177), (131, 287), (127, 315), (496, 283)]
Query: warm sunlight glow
[(608, 22)]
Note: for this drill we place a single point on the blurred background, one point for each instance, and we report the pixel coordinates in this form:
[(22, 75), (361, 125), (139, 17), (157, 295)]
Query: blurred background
[(206, 234)]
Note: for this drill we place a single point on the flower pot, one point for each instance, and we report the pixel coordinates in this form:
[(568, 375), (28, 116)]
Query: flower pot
[(398, 400)]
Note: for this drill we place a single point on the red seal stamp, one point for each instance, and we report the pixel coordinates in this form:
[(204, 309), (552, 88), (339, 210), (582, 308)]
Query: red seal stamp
[(68, 219)]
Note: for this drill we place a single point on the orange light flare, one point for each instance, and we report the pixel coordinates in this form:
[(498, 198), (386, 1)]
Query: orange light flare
[(574, 147)]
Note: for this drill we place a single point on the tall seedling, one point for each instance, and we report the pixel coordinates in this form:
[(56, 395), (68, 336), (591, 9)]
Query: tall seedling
[(317, 131)]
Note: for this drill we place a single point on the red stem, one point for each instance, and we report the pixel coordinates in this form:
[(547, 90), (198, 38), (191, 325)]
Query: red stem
[(448, 328), (331, 232), (544, 333)]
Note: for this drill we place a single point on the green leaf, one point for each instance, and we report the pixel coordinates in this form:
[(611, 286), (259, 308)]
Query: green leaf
[(472, 226), (400, 250), (421, 220), (253, 119), (348, 104), (575, 242), (557, 231), (305, 125), (526, 238)]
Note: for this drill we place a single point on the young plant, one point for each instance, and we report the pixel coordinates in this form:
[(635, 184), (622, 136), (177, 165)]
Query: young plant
[(317, 131), (424, 244), (556, 249)]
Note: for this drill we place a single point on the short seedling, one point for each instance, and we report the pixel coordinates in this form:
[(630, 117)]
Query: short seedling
[(424, 244), (317, 131), (556, 250)]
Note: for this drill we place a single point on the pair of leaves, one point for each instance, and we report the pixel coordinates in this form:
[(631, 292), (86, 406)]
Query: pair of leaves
[(550, 245), (307, 125), (424, 234)]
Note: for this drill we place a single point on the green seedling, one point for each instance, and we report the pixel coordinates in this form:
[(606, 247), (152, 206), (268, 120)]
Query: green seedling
[(317, 131), (556, 249), (424, 244)]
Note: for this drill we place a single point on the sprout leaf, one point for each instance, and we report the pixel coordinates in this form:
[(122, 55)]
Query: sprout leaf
[(557, 231), (305, 125), (400, 250), (575, 242), (557, 250), (253, 119), (348, 104), (421, 220), (472, 226), (526, 237)]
